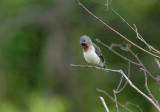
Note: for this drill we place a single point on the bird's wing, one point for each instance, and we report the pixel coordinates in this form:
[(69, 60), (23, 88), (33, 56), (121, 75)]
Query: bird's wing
[(98, 52)]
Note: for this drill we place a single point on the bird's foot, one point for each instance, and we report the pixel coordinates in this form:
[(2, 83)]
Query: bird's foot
[(104, 66), (94, 67), (87, 65)]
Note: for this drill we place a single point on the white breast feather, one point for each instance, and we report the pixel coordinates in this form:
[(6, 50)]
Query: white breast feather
[(91, 57)]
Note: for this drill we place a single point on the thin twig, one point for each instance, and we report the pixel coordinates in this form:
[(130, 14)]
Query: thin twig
[(151, 48), (129, 81), (120, 82), (117, 90), (89, 12), (139, 36), (113, 99), (129, 50), (115, 52), (137, 106), (108, 3), (147, 88), (136, 56), (157, 63), (104, 104)]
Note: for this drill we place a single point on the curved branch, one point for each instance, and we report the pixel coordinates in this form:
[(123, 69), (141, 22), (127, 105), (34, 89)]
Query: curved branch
[(137, 106)]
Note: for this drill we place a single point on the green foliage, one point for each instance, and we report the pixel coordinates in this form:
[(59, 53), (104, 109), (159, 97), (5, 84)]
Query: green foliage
[(39, 103), (22, 55), (7, 107), (42, 104)]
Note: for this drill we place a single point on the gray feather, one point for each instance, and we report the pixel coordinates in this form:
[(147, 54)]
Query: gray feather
[(98, 52)]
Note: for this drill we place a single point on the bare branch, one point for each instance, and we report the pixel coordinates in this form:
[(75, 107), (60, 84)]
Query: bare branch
[(137, 106), (120, 82), (138, 35), (114, 100), (136, 56), (117, 90), (115, 52), (129, 81), (104, 104), (157, 63), (89, 12), (127, 48), (147, 88), (151, 48)]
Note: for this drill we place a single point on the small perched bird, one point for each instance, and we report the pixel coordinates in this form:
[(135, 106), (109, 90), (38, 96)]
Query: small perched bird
[(91, 52)]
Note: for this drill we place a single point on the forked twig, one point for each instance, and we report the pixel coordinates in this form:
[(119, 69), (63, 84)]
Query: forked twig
[(120, 82), (151, 48), (118, 90), (113, 100), (139, 63), (115, 52), (136, 56)]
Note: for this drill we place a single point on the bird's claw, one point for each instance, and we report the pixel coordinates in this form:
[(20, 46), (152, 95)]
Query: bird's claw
[(94, 67), (87, 65)]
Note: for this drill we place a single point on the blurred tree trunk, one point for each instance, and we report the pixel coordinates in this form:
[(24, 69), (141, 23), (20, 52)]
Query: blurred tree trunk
[(57, 56)]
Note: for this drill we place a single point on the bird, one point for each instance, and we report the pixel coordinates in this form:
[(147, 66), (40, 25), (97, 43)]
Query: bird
[(92, 52)]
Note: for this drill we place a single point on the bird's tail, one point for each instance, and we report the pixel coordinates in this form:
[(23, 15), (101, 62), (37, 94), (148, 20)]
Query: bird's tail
[(104, 65)]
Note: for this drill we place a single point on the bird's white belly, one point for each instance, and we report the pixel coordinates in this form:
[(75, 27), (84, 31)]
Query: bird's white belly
[(91, 57)]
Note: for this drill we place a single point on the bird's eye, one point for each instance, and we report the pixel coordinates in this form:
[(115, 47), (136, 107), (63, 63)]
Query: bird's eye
[(83, 40)]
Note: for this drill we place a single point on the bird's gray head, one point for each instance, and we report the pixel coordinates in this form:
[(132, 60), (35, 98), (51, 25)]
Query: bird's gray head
[(85, 40)]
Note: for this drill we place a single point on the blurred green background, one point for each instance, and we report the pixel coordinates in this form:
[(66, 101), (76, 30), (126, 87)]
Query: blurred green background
[(39, 39)]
